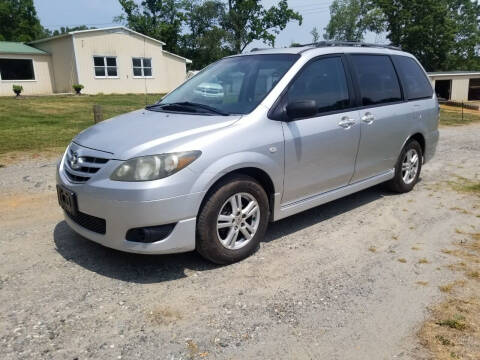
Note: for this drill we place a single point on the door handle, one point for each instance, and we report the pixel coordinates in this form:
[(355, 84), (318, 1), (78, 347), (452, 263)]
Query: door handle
[(346, 122), (368, 118)]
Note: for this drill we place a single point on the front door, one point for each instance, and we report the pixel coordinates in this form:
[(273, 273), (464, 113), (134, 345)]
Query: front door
[(320, 151)]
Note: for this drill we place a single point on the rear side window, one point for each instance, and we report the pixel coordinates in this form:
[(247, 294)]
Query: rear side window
[(415, 82), (325, 82), (377, 79)]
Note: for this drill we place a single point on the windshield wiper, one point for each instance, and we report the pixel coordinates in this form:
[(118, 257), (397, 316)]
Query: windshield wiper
[(188, 105)]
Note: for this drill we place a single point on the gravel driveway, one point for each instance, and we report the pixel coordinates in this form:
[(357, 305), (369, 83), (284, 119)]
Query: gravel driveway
[(341, 281)]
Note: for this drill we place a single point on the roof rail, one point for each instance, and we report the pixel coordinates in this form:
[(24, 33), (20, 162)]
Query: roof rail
[(351, 43), (259, 49)]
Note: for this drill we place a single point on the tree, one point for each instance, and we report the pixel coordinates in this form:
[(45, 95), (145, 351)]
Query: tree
[(442, 34), (205, 31), (315, 35), (467, 38), (204, 41), (247, 20), (19, 21), (159, 19), (66, 29), (351, 19)]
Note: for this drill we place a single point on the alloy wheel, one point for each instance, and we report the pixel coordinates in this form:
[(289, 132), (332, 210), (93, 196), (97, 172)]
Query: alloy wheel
[(238, 221), (410, 165)]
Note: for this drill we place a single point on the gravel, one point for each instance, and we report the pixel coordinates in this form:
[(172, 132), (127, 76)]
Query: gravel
[(313, 289)]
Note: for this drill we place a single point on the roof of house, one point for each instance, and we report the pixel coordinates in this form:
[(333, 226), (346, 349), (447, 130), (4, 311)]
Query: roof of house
[(454, 73), (188, 61), (111, 29), (9, 47)]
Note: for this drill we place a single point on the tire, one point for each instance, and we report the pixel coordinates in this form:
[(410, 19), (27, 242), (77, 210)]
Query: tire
[(215, 244), (401, 183)]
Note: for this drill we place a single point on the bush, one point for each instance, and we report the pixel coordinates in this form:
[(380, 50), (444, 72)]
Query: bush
[(17, 89), (77, 87)]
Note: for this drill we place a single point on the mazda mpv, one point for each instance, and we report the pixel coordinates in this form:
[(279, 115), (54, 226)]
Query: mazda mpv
[(274, 133)]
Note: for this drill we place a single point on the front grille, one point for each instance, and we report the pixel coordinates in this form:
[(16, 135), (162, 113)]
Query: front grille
[(79, 168), (76, 178), (89, 222)]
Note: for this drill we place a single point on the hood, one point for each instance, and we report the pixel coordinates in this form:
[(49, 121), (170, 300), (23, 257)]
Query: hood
[(139, 132)]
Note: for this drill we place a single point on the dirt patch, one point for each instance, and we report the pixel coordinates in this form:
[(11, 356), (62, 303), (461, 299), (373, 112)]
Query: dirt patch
[(15, 157)]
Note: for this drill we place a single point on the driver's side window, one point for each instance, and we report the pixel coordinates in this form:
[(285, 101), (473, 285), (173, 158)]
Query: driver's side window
[(324, 81)]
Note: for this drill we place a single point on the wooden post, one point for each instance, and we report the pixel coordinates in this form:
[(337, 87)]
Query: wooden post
[(97, 114)]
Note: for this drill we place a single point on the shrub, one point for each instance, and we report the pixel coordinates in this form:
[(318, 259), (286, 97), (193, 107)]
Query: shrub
[(78, 88), (17, 89)]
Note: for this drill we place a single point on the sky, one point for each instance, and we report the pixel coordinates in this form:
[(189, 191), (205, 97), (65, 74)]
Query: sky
[(100, 13)]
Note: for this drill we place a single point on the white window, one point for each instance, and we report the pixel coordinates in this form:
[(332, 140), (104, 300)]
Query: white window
[(105, 66), (142, 67)]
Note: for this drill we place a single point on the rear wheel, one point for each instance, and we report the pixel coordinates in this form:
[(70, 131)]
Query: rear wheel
[(407, 170), (233, 220)]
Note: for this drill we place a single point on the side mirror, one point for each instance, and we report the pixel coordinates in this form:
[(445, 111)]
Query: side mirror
[(301, 109)]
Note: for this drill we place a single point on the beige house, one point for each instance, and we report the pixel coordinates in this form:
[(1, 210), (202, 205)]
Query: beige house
[(456, 85), (110, 60), (24, 65)]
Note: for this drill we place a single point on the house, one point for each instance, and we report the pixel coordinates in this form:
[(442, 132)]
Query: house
[(24, 65), (109, 60), (456, 85)]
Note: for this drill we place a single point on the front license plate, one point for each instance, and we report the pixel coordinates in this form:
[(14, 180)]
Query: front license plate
[(67, 200)]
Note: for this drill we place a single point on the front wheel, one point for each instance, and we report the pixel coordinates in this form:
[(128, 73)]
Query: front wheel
[(407, 170), (233, 220)]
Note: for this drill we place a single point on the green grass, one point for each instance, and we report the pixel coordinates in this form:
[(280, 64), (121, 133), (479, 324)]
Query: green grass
[(456, 323), (454, 118), (465, 185), (50, 122)]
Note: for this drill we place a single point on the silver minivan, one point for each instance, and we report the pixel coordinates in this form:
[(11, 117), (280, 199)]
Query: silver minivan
[(250, 139)]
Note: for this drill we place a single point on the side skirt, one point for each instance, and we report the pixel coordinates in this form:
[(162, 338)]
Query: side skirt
[(292, 208)]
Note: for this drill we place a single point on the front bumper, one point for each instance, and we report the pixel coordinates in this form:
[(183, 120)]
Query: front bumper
[(121, 216)]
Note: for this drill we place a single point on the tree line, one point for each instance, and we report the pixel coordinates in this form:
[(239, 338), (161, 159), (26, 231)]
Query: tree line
[(203, 31), (442, 34)]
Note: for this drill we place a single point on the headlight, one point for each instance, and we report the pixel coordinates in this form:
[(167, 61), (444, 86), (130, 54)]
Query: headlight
[(153, 167)]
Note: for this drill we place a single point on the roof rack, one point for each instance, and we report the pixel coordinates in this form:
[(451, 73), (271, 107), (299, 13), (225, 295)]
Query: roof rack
[(351, 43), (332, 43), (260, 49)]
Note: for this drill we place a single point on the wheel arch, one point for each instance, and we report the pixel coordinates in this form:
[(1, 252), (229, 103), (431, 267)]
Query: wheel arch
[(420, 139), (260, 175)]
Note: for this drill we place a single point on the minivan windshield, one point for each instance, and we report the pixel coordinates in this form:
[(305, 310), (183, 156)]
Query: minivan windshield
[(233, 85)]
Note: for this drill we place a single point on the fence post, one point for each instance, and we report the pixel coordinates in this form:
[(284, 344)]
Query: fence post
[(97, 114), (462, 111)]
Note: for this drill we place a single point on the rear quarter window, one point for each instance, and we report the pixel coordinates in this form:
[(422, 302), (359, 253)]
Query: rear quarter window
[(415, 82), (377, 79)]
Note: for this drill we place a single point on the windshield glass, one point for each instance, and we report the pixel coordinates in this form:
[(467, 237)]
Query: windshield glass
[(234, 85)]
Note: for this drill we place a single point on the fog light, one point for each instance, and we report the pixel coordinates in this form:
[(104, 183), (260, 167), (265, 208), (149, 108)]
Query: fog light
[(149, 234)]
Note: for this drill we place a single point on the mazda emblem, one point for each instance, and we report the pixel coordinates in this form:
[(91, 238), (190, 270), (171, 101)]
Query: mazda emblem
[(74, 161)]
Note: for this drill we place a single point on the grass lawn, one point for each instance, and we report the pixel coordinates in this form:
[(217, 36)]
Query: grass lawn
[(451, 116), (50, 122)]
